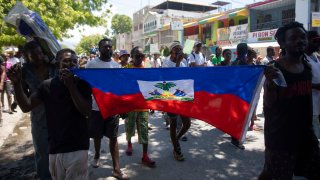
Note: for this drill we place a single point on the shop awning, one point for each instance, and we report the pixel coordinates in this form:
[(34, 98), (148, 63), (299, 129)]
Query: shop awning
[(165, 27), (190, 24), (208, 20), (242, 12), (150, 34)]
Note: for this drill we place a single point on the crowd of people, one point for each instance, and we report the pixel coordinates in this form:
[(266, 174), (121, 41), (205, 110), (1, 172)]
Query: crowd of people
[(7, 60), (61, 140)]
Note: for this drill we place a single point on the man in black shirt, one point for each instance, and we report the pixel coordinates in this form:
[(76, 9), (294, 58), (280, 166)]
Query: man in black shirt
[(291, 145), (67, 102)]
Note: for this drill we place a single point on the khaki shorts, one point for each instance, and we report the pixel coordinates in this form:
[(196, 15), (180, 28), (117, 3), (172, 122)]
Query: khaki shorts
[(71, 166)]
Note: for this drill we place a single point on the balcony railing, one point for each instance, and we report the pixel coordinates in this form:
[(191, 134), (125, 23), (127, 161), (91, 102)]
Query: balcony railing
[(270, 25)]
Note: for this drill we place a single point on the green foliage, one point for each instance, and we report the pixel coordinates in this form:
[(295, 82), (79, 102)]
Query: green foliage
[(87, 42), (59, 15), (121, 24)]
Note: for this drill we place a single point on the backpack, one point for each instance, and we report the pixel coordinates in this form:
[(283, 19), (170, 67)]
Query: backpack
[(194, 56)]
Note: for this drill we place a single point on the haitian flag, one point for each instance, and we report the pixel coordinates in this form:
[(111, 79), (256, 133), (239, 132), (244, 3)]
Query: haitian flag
[(224, 97)]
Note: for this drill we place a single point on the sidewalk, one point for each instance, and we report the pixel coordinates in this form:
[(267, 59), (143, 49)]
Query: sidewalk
[(9, 122)]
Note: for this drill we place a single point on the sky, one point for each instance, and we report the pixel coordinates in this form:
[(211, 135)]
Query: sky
[(127, 7)]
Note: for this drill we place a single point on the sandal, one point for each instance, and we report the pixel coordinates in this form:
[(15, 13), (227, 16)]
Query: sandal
[(178, 156), (119, 175)]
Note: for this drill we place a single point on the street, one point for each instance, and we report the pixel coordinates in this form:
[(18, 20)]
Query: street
[(208, 154)]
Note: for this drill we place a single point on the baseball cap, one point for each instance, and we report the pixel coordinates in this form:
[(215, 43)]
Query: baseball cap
[(174, 44), (197, 43), (123, 52)]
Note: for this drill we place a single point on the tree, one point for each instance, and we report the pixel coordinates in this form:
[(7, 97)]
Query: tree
[(121, 24), (59, 15), (87, 42)]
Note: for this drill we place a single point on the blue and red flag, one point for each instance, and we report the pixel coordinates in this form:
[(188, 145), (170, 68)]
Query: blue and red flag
[(221, 96)]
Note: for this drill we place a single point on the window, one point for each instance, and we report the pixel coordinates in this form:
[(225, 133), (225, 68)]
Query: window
[(267, 18), (140, 26), (288, 16), (243, 21)]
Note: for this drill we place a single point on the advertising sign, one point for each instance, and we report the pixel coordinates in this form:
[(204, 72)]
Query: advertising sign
[(154, 48), (188, 46), (315, 19), (262, 36), (238, 32), (176, 26)]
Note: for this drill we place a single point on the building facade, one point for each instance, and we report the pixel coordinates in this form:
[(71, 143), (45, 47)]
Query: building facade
[(124, 41)]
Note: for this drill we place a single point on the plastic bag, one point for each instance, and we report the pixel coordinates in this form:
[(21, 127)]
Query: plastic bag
[(30, 25)]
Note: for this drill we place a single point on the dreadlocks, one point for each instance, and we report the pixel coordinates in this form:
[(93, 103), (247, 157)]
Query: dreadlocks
[(280, 35)]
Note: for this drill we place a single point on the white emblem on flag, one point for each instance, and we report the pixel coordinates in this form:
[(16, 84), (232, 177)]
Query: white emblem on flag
[(181, 90)]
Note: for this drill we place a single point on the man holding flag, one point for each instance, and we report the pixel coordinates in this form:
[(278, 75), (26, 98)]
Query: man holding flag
[(138, 118), (176, 60), (99, 126)]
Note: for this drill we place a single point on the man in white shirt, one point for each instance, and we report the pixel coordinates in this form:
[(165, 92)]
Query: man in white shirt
[(269, 57), (196, 58), (98, 126), (313, 46)]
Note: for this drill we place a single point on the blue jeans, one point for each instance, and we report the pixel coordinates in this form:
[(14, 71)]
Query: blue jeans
[(40, 142)]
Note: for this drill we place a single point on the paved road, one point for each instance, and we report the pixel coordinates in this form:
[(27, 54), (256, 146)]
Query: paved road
[(208, 154)]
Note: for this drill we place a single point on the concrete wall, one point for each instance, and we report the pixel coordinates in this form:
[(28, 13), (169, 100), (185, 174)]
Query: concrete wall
[(124, 41)]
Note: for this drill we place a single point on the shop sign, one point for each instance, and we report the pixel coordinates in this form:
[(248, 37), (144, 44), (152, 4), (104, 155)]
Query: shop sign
[(223, 43), (315, 19), (262, 36)]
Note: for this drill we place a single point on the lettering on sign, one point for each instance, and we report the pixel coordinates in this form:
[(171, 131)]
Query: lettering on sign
[(261, 36)]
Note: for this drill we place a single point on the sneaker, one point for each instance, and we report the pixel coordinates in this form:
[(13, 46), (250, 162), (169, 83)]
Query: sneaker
[(184, 138), (236, 143), (95, 163), (119, 175), (148, 162)]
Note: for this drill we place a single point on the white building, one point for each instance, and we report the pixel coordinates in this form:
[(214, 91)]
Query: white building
[(137, 29), (124, 41), (157, 22)]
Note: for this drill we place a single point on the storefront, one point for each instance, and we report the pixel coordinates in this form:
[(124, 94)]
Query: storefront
[(260, 40), (191, 31)]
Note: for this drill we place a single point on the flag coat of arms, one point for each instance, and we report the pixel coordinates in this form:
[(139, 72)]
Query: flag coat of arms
[(224, 97)]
